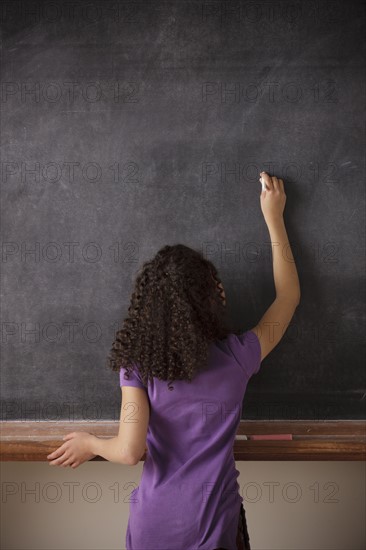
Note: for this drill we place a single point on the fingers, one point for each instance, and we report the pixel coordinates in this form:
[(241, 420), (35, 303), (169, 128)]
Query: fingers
[(69, 462), (276, 185), (68, 436), (62, 457), (59, 455), (60, 451), (267, 181), (64, 460), (272, 183), (59, 461)]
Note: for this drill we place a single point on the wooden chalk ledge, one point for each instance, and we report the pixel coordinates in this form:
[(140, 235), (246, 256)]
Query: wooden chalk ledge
[(311, 440)]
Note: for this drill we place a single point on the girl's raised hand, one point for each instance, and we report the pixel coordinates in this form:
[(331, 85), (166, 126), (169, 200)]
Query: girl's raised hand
[(273, 198), (75, 450)]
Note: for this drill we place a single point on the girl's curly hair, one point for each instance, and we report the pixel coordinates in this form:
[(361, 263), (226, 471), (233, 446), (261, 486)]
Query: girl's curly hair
[(176, 310)]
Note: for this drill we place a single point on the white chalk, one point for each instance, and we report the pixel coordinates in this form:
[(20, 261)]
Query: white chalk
[(263, 184)]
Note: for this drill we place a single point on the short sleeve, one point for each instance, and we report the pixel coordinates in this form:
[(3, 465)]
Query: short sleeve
[(246, 349), (134, 378)]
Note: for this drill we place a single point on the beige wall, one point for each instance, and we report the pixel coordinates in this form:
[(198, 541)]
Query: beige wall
[(312, 505)]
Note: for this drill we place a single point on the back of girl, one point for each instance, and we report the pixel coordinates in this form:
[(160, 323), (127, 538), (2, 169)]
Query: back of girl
[(177, 350)]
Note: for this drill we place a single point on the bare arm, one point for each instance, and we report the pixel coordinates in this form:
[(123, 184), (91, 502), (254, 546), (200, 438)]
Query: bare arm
[(110, 449), (276, 319), (285, 275)]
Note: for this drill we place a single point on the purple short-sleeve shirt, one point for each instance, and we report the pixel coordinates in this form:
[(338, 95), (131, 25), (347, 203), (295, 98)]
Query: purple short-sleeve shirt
[(188, 496)]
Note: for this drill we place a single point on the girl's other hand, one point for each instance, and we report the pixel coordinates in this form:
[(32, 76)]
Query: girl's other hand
[(273, 198), (75, 450)]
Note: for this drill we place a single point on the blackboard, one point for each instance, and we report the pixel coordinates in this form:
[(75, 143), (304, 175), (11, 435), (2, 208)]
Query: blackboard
[(130, 125)]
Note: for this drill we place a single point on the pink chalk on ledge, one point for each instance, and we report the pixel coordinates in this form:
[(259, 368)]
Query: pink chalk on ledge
[(278, 437)]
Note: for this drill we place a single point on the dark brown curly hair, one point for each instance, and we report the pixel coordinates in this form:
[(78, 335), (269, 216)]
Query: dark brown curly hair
[(177, 308)]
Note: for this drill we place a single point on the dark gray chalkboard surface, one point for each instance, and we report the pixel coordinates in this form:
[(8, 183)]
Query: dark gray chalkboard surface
[(127, 126)]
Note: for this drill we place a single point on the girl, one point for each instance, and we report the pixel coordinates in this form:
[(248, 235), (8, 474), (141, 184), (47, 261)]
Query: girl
[(183, 376)]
